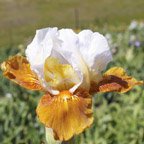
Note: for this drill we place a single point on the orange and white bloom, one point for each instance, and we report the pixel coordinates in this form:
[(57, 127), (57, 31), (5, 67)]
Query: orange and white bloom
[(68, 68)]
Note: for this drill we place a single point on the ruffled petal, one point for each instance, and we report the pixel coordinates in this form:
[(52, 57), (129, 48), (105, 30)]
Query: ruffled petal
[(65, 113), (95, 51), (40, 48), (70, 51), (17, 69), (115, 80)]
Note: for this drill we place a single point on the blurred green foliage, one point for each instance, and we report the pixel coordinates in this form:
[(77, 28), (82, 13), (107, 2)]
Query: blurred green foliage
[(119, 118), (20, 18)]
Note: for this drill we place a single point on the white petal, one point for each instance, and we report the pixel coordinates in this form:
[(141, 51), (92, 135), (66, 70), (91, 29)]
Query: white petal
[(40, 48), (70, 51), (95, 51)]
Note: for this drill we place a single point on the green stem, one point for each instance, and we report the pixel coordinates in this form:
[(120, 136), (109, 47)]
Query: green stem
[(50, 138)]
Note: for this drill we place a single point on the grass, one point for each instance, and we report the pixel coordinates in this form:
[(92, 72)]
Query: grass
[(20, 19)]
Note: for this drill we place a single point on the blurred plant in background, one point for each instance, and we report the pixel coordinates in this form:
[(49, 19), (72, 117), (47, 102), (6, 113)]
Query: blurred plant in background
[(136, 30), (119, 119)]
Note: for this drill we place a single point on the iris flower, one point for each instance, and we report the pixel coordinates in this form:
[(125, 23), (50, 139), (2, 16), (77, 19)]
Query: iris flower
[(68, 68)]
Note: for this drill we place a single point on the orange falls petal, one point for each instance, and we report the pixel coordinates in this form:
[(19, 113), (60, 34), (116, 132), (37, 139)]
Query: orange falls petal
[(115, 80), (18, 70), (65, 113)]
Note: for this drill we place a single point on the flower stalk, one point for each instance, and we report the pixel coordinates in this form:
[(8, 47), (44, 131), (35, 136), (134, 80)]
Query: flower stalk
[(50, 137)]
